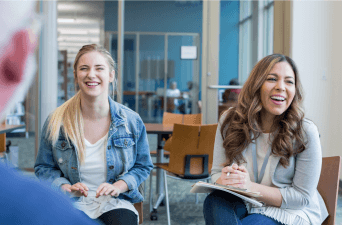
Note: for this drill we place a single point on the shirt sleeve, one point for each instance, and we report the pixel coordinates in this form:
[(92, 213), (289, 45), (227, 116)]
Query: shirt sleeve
[(307, 172), (219, 157), (143, 163)]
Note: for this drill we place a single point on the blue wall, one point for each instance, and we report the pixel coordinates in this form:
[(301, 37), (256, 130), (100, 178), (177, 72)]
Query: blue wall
[(229, 41), (155, 16), (170, 16)]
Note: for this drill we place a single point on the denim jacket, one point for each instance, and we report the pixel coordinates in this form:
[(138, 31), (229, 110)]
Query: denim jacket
[(127, 154)]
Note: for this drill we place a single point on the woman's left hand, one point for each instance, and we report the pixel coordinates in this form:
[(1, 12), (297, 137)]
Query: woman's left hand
[(106, 189)]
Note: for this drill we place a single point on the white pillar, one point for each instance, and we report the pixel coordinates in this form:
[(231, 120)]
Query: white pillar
[(210, 60), (48, 71), (121, 30)]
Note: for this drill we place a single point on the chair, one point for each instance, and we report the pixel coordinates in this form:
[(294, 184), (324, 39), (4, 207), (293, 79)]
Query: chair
[(139, 206), (328, 186), (172, 118), (192, 155), (192, 119)]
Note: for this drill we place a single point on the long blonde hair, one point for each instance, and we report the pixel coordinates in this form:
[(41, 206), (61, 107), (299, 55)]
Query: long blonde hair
[(69, 115)]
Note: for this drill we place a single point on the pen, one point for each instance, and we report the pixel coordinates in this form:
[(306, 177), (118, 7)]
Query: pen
[(229, 172)]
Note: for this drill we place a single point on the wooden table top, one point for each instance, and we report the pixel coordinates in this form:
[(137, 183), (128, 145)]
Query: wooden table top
[(9, 128), (158, 128)]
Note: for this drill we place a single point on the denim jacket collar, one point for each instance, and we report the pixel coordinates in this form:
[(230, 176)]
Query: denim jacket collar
[(118, 116)]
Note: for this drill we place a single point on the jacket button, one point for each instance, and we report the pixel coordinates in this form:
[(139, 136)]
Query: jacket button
[(111, 181), (63, 144), (111, 167), (109, 147)]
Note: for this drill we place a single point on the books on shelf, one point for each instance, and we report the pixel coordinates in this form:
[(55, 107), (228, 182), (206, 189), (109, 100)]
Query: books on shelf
[(203, 187)]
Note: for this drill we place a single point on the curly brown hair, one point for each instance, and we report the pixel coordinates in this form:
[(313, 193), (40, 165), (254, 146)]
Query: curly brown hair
[(244, 119)]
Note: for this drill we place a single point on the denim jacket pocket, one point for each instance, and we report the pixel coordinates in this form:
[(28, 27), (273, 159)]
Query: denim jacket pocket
[(125, 145), (63, 153)]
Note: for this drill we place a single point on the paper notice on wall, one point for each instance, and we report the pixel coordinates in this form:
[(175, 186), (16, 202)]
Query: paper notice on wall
[(188, 52)]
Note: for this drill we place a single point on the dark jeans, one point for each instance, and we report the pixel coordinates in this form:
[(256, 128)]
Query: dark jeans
[(118, 217), (224, 208)]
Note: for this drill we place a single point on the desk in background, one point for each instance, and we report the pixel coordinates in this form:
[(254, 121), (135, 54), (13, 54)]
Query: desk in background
[(6, 129)]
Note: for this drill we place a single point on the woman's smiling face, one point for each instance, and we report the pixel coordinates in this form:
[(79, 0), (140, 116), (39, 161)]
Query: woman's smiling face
[(93, 75), (278, 90)]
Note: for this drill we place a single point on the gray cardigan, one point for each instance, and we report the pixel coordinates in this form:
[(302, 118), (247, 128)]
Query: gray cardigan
[(298, 182)]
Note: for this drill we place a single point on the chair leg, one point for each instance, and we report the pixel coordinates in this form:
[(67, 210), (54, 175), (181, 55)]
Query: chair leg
[(151, 190), (144, 189), (167, 199), (196, 198), (208, 181)]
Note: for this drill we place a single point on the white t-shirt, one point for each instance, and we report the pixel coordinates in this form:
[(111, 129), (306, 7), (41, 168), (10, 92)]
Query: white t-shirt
[(93, 172)]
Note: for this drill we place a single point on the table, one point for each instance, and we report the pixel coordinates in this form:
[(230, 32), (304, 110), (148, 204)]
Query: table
[(6, 129), (159, 129)]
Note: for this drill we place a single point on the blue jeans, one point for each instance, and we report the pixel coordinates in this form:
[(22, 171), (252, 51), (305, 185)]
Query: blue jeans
[(224, 208)]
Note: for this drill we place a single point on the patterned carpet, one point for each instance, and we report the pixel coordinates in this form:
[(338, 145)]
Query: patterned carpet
[(183, 209)]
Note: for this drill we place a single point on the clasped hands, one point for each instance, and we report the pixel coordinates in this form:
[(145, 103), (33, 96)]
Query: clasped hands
[(82, 189), (236, 176)]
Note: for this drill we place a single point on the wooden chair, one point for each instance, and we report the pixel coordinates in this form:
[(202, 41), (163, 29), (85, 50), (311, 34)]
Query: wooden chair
[(172, 118), (328, 186), (139, 206), (192, 155), (192, 119)]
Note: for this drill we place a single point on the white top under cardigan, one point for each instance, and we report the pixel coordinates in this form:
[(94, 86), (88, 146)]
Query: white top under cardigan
[(285, 216), (93, 173)]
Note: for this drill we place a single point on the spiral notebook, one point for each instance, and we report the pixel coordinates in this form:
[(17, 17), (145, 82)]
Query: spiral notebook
[(202, 187)]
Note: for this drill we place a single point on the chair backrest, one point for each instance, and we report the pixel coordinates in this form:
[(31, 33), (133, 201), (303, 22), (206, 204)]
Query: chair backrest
[(191, 140), (184, 141), (172, 118), (328, 185), (207, 141), (192, 119)]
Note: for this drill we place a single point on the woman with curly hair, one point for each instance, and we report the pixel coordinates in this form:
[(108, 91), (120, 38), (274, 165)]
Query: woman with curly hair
[(266, 145)]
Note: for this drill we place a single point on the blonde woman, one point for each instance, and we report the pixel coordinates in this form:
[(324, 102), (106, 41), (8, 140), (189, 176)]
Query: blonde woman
[(94, 148), (266, 145)]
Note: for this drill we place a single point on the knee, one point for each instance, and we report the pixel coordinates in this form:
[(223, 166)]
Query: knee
[(222, 199), (215, 199)]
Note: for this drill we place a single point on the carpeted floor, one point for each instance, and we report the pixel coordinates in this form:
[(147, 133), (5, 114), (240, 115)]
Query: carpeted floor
[(183, 209)]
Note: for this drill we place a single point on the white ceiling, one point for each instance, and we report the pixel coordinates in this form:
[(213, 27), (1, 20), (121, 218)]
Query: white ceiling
[(79, 23)]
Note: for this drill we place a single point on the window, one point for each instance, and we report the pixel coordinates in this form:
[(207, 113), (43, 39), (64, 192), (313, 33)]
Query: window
[(245, 37), (268, 10), (256, 34)]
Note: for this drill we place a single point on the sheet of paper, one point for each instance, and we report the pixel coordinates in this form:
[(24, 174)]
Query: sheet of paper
[(202, 187)]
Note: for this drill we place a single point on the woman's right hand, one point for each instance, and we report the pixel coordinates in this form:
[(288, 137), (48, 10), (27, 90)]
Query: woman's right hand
[(78, 189), (234, 177)]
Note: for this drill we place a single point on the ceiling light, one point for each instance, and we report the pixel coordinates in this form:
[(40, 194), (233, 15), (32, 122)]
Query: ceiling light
[(65, 20), (73, 32)]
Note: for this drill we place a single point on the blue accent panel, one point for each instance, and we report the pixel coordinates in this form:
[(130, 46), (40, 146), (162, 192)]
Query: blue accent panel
[(229, 41), (152, 16)]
